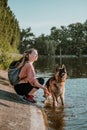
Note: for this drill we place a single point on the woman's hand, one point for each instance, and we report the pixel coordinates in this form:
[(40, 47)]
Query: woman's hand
[(46, 90)]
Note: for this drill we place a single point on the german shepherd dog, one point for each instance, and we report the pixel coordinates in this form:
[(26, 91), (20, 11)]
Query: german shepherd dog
[(56, 86)]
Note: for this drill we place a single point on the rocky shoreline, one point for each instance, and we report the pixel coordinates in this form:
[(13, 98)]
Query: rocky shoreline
[(16, 114)]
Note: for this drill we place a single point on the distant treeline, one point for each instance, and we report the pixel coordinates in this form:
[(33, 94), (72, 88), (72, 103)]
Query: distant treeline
[(68, 40)]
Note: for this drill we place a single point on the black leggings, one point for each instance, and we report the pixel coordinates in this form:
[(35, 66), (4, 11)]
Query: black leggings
[(25, 88)]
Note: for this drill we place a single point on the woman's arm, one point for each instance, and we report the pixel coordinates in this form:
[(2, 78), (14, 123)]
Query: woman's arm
[(37, 84)]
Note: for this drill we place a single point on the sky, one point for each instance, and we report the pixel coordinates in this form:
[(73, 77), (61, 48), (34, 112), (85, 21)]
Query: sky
[(42, 15)]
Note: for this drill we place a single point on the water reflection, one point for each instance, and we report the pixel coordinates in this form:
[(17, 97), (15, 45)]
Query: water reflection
[(76, 67), (56, 118)]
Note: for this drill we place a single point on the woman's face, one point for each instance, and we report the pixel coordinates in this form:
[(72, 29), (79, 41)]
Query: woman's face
[(33, 56)]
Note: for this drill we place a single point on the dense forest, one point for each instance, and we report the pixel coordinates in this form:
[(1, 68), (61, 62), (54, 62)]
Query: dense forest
[(70, 40), (9, 27), (9, 33)]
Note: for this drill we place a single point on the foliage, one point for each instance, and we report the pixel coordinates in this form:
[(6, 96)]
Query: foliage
[(9, 33), (26, 39), (45, 45), (9, 27), (71, 39), (5, 60)]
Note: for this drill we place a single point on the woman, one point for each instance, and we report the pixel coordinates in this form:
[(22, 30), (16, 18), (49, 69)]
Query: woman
[(30, 84)]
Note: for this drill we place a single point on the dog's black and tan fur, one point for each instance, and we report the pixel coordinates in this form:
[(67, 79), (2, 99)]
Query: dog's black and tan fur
[(56, 85)]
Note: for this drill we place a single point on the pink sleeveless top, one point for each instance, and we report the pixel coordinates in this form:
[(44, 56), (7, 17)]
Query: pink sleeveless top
[(28, 72)]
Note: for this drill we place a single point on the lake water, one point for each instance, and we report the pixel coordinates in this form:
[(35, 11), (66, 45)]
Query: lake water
[(74, 115)]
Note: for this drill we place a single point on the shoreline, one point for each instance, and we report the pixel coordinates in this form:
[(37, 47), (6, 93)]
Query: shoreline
[(16, 114)]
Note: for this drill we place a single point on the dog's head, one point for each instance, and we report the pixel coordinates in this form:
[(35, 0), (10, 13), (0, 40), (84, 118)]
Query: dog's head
[(60, 73)]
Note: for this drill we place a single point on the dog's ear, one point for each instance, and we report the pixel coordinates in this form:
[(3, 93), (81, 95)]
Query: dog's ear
[(63, 66), (56, 68)]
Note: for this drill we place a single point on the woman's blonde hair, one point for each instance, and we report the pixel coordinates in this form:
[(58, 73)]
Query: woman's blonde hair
[(25, 57)]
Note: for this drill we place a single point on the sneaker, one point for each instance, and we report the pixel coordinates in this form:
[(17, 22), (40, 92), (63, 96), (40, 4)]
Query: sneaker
[(30, 98)]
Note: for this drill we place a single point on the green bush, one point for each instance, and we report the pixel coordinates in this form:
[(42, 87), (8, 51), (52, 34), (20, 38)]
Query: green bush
[(4, 60)]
